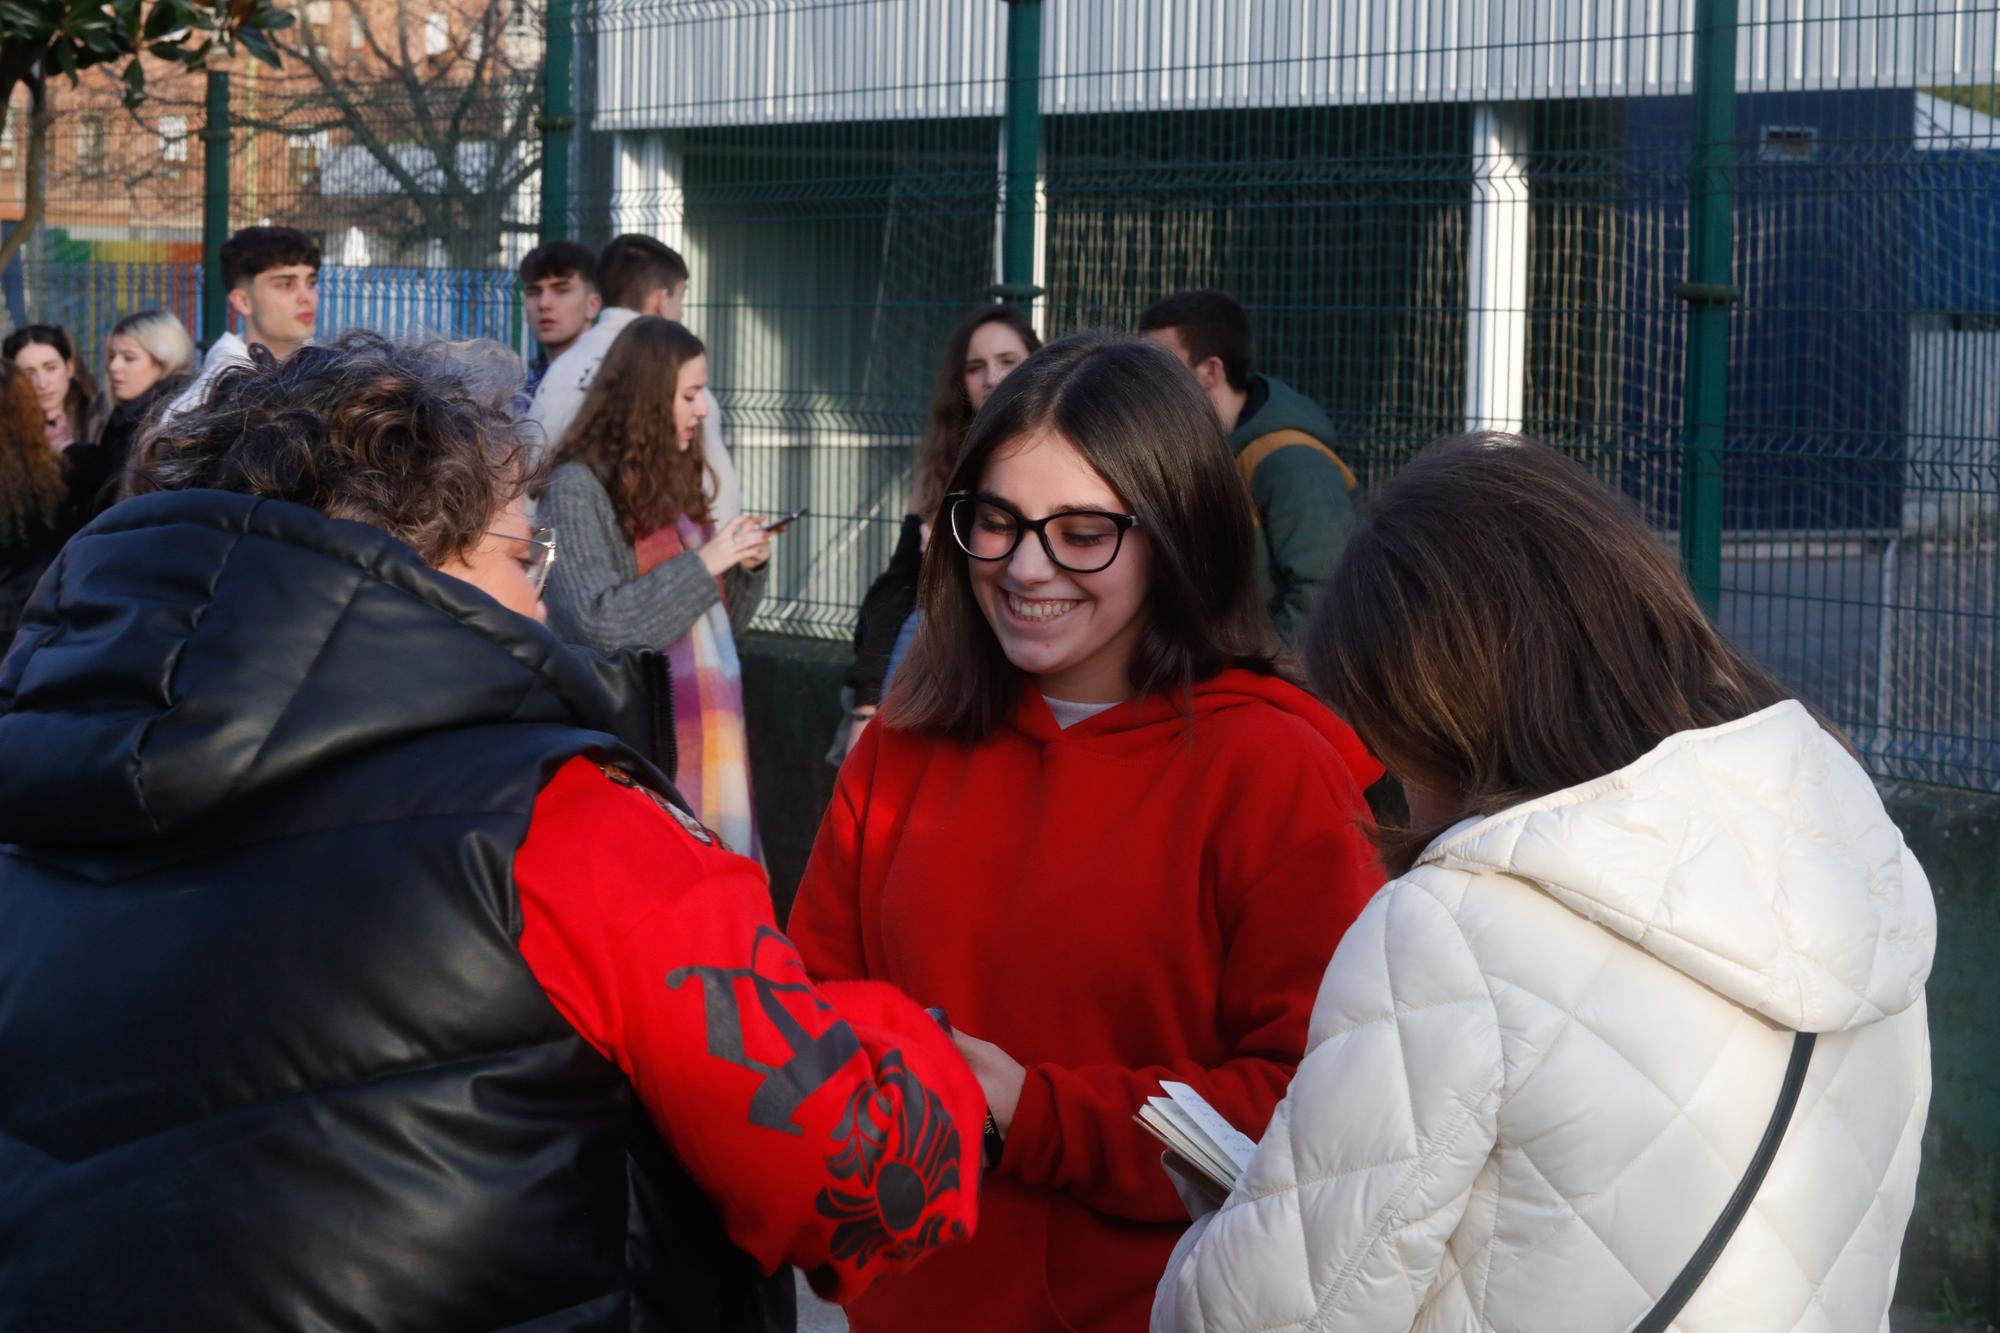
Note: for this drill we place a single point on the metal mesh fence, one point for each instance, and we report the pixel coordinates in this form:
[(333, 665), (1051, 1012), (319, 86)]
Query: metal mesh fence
[(1440, 216)]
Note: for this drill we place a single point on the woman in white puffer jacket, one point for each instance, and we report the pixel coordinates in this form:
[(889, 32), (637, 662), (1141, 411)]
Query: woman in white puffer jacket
[(1544, 1056)]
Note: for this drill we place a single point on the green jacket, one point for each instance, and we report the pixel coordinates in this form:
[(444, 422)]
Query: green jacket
[(1305, 516)]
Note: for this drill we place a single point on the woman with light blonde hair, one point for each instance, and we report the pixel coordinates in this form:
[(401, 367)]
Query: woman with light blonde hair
[(148, 359)]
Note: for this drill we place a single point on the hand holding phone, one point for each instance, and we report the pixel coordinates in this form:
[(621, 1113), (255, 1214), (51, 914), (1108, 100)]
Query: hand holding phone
[(780, 524)]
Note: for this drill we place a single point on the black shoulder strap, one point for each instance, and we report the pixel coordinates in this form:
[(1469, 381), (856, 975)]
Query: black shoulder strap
[(1718, 1236)]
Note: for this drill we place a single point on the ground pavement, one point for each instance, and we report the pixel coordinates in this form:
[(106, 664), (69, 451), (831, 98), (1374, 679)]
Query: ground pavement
[(816, 1316)]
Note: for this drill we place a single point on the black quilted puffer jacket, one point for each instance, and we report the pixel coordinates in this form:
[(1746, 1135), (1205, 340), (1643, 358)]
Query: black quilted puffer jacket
[(269, 1057)]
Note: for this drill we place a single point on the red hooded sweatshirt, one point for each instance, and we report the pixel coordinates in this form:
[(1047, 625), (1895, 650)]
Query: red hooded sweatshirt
[(1136, 898)]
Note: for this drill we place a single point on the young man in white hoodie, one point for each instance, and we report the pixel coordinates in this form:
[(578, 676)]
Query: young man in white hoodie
[(272, 277), (636, 275), (1647, 911)]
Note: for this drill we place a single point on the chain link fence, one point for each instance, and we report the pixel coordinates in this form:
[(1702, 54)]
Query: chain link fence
[(1440, 215)]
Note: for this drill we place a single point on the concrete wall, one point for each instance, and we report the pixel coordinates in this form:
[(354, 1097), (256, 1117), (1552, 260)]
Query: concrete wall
[(1952, 1256)]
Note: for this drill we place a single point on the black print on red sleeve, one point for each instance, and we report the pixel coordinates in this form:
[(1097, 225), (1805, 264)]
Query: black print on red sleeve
[(883, 1203), (885, 1207), (811, 1062)]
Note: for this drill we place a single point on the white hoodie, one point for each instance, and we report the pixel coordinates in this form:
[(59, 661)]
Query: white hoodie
[(227, 351), (1541, 1061)]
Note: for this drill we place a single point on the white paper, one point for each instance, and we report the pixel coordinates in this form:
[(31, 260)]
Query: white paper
[(1234, 1144)]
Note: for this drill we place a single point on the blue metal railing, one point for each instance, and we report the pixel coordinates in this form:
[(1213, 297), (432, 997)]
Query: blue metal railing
[(88, 297)]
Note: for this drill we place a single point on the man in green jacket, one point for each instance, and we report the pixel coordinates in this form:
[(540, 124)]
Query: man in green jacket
[(1284, 449)]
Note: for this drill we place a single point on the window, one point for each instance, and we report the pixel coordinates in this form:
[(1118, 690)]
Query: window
[(304, 152), (437, 35), (7, 146), (319, 13), (173, 138), (356, 35), (1789, 143), (90, 145)]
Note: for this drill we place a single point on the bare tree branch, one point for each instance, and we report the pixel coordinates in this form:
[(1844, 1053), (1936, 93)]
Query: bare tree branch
[(452, 134)]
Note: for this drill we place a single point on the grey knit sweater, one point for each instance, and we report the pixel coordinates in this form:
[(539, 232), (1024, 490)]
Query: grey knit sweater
[(596, 595)]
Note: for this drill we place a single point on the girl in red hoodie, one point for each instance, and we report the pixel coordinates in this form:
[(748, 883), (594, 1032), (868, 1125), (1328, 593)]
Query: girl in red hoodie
[(1099, 829)]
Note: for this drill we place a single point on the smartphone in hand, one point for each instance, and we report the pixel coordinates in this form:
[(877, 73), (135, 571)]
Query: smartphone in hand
[(780, 524)]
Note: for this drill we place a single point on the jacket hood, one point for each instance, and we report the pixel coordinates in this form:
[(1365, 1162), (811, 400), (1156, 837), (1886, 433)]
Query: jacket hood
[(1285, 409), (1140, 725), (191, 650), (1754, 857)]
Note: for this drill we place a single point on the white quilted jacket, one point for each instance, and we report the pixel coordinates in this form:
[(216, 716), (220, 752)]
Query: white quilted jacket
[(1541, 1061)]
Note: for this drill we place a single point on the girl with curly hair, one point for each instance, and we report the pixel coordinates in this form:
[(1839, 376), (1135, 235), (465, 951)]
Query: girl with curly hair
[(34, 508), (645, 566)]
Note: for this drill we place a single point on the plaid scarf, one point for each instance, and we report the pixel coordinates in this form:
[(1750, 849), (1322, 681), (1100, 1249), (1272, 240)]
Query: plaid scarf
[(708, 703)]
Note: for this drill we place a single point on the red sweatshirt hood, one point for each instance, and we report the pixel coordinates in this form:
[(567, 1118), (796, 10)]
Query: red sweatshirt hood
[(1140, 725)]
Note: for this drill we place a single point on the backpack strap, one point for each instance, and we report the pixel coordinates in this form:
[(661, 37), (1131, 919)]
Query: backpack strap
[(1682, 1287), (1261, 448)]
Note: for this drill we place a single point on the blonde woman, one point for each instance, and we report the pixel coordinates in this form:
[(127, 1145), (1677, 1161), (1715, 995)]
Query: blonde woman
[(148, 361)]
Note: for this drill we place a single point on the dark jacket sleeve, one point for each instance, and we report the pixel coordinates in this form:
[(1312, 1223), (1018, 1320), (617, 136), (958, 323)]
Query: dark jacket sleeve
[(1307, 521), (890, 600)]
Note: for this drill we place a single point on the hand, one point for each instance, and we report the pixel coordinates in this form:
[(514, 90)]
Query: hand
[(1199, 1194), (1000, 1076), (738, 542)]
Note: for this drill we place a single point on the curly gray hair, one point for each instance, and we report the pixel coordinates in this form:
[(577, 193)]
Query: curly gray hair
[(403, 436)]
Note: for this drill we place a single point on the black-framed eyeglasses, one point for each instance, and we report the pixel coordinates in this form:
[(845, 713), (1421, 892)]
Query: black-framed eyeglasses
[(541, 557), (1082, 541)]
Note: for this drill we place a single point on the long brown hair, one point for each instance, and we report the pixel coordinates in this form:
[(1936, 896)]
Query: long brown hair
[(1137, 416), (31, 477), (82, 389), (951, 409), (1503, 627), (624, 432)]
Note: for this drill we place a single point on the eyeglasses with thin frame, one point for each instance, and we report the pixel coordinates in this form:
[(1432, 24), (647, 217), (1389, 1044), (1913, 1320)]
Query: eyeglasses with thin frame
[(1082, 541), (541, 557)]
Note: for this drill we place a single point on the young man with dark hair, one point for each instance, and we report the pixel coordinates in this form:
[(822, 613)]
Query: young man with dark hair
[(1284, 450), (559, 294), (636, 275), (272, 277)]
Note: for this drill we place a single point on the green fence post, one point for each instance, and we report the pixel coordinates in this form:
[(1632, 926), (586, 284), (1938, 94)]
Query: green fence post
[(214, 206), (1709, 293), (1024, 151), (556, 120)]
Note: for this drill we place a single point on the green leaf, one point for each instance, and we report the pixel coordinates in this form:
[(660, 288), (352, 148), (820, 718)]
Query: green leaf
[(268, 20), (135, 84), (23, 19), (65, 58), (163, 20), (258, 45)]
